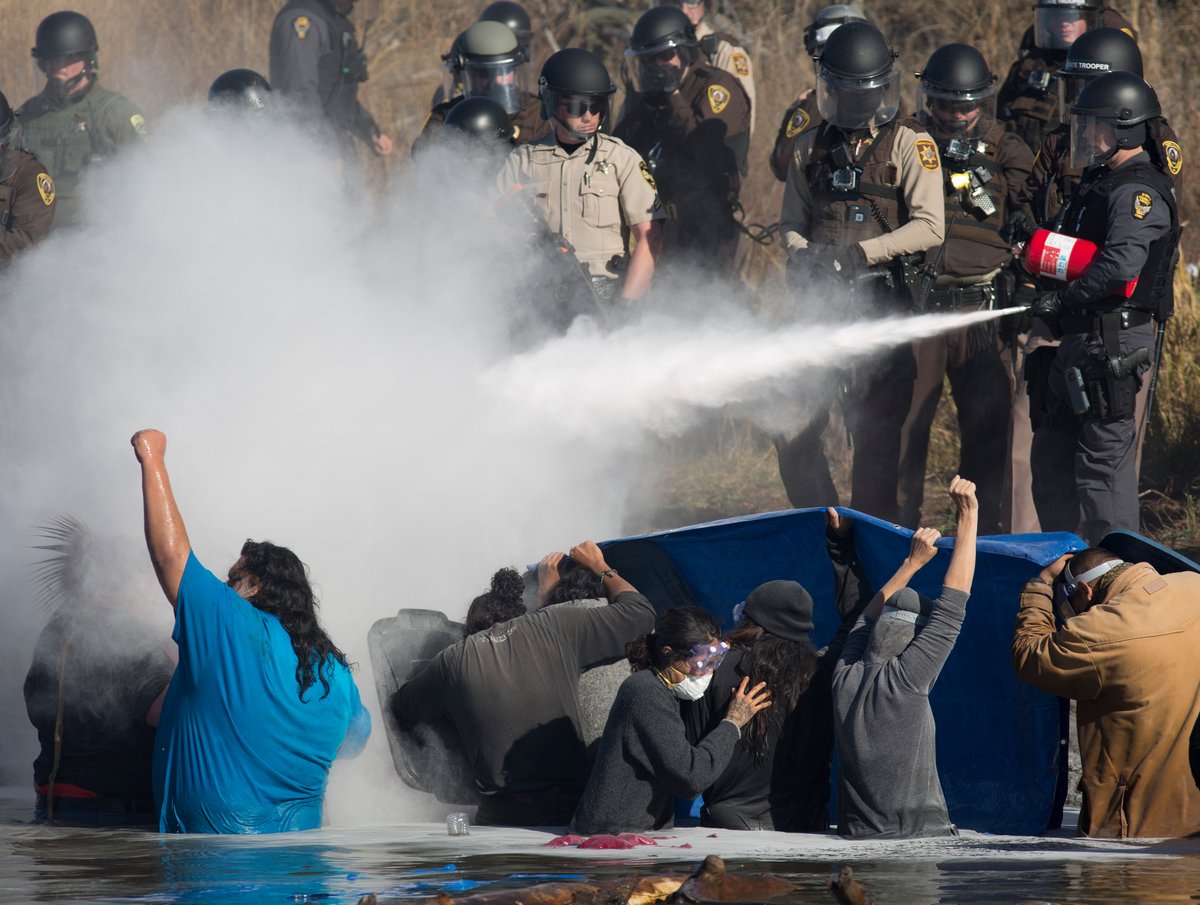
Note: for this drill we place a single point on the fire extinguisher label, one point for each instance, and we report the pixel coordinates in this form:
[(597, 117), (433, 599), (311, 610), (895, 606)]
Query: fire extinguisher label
[(1056, 254)]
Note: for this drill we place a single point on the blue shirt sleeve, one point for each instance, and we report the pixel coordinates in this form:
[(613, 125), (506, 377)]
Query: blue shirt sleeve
[(359, 730), (207, 613)]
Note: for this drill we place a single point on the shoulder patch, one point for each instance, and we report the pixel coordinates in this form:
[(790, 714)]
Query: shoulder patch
[(646, 174), (301, 25), (741, 64), (797, 124), (1174, 156), (139, 124), (45, 187), (1142, 202), (718, 98), (927, 154)]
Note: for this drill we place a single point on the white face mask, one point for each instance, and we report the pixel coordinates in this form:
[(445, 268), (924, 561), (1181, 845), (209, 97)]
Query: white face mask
[(692, 688)]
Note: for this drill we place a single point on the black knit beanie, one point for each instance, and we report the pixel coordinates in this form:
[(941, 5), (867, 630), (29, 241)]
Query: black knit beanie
[(782, 608)]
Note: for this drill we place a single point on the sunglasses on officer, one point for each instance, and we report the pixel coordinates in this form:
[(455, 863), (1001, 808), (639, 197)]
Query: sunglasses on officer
[(578, 106), (948, 107), (53, 64)]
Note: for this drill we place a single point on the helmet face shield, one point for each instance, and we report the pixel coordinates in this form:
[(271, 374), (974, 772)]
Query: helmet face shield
[(660, 67), (1093, 140), (1057, 27), (581, 114), (858, 103), (950, 113), (501, 80)]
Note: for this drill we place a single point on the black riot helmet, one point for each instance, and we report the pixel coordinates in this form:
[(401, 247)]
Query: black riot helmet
[(575, 77), (817, 32), (857, 82), (514, 16), (957, 93), (491, 64), (242, 89), (1094, 53), (67, 35), (480, 117), (1057, 23), (663, 44), (1110, 114)]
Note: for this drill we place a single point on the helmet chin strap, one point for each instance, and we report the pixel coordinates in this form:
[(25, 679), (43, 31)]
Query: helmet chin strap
[(62, 88)]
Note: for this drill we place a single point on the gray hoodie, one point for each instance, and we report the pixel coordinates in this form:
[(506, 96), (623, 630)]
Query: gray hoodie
[(883, 724)]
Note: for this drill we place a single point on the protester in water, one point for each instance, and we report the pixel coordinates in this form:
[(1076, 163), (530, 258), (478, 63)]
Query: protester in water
[(511, 689), (1125, 649), (95, 688), (645, 757), (884, 726), (778, 777), (562, 582), (262, 700)]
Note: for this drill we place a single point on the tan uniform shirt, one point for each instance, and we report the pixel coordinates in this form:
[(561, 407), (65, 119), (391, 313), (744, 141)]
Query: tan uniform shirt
[(591, 205), (918, 177), (733, 59)]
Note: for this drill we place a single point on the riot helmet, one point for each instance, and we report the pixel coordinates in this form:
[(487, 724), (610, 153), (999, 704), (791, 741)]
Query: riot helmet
[(957, 96), (514, 16), (572, 81), (480, 118), (1057, 23), (663, 45), (1096, 52), (1109, 115), (242, 89), (857, 83), (817, 32), (490, 59), (63, 38)]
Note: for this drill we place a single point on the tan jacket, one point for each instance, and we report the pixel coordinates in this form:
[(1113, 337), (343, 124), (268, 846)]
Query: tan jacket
[(1132, 663)]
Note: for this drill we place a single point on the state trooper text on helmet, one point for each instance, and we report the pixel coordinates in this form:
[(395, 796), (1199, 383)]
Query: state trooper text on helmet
[(1109, 115), (663, 45), (857, 82), (481, 118), (817, 32), (240, 89), (506, 12), (1095, 53), (957, 98), (1058, 23), (491, 62), (65, 37), (574, 81)]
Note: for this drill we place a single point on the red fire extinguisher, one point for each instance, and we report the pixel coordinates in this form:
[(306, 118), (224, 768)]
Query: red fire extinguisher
[(1051, 254)]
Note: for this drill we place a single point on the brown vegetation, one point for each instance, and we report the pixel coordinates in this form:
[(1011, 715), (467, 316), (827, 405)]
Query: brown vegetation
[(166, 52)]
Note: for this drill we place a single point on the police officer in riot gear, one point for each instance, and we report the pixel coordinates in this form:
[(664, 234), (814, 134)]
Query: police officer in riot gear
[(803, 114), (240, 89), (591, 191), (317, 64), (691, 122), (1028, 100), (27, 193), (1082, 393), (481, 118), (506, 12), (74, 122), (863, 200), (984, 168), (491, 64), (721, 49)]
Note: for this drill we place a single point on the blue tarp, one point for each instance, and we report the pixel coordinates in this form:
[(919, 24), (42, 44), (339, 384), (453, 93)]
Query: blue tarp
[(999, 741)]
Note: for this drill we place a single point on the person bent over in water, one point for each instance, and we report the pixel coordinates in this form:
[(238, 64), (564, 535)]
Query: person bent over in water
[(882, 720), (262, 700)]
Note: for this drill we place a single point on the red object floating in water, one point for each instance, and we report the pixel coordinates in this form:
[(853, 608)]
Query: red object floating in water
[(559, 841)]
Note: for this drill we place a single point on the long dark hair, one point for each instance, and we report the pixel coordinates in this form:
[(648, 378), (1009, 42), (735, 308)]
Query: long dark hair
[(504, 600), (284, 592), (680, 629), (786, 666)]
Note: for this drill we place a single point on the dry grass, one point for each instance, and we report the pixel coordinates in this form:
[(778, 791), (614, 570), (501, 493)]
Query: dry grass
[(166, 52)]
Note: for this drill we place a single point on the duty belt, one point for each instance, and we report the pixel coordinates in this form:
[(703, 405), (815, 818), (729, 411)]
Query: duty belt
[(980, 296), (1087, 320)]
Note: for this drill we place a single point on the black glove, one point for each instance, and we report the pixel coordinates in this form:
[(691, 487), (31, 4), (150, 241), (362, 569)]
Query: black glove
[(1025, 296), (1018, 229), (851, 261), (1048, 307)]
